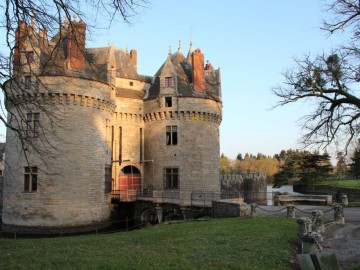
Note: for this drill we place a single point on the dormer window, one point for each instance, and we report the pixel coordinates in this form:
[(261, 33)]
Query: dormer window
[(168, 101), (168, 81), (30, 57), (27, 82)]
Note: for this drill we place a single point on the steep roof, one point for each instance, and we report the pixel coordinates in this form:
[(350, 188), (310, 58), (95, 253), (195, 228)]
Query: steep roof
[(183, 72), (98, 61)]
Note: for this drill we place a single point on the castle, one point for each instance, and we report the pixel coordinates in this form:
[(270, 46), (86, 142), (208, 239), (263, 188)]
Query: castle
[(95, 127)]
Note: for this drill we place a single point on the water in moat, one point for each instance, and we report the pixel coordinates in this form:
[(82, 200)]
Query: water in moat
[(270, 191)]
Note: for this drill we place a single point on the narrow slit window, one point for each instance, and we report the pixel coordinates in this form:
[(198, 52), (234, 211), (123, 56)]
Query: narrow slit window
[(27, 82), (30, 57)]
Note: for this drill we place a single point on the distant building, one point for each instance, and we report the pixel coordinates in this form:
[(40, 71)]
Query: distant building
[(114, 131)]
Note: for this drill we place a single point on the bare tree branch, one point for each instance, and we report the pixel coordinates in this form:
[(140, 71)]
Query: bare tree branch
[(39, 23)]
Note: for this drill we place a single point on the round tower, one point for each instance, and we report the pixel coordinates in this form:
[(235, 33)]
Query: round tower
[(182, 114), (60, 175)]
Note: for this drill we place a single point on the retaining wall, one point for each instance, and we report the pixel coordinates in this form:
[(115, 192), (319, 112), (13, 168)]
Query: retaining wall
[(352, 194)]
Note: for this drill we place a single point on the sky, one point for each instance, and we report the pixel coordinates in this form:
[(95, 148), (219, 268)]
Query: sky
[(252, 42)]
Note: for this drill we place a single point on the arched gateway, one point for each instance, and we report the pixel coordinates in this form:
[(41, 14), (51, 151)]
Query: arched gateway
[(129, 181)]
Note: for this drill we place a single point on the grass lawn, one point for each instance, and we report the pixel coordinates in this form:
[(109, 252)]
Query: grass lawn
[(355, 184), (232, 243)]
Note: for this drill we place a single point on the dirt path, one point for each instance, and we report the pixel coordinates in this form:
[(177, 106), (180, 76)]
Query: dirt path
[(344, 241)]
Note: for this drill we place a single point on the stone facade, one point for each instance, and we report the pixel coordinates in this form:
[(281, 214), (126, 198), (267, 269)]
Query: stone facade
[(100, 123)]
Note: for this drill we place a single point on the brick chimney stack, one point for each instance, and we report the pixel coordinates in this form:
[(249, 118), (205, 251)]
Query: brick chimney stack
[(198, 71), (76, 45), (133, 56), (20, 37)]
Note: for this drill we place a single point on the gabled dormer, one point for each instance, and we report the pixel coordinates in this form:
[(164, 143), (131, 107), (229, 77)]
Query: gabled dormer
[(167, 77)]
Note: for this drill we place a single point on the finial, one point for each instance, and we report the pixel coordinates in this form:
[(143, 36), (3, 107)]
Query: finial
[(74, 18), (66, 21), (127, 48), (169, 50), (179, 49)]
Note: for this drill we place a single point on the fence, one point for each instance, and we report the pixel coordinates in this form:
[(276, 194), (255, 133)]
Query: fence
[(329, 214)]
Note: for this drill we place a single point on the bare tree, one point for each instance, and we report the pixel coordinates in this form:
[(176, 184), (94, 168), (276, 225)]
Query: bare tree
[(330, 82), (53, 19)]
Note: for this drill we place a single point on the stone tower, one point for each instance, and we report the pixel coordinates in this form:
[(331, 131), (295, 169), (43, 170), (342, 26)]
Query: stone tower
[(62, 178), (182, 114), (93, 126)]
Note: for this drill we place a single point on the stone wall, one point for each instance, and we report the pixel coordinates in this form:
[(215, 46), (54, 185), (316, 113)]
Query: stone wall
[(71, 173), (196, 153), (352, 194), (224, 208), (253, 186)]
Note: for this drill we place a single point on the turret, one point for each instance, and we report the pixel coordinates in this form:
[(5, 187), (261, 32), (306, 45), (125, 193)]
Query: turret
[(198, 71), (76, 45)]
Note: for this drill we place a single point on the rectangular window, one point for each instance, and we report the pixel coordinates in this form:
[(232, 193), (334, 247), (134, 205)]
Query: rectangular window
[(32, 124), (107, 178), (30, 179), (30, 57), (27, 82), (171, 135), (168, 82), (168, 101), (171, 178)]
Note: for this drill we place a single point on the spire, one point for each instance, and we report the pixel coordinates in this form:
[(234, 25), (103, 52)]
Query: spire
[(170, 51), (66, 22), (191, 50), (179, 48)]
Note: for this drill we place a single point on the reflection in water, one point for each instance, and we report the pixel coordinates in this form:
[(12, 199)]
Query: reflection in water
[(282, 189)]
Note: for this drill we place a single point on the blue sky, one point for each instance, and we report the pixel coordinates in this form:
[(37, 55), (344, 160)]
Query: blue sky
[(252, 42)]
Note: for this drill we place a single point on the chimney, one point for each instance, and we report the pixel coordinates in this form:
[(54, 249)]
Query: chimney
[(20, 37), (198, 71), (133, 56), (208, 66), (76, 45)]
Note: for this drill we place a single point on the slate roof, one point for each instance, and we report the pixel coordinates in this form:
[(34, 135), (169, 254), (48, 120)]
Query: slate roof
[(184, 80), (53, 61)]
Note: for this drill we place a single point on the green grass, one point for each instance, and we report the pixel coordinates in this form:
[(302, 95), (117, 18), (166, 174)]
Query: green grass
[(355, 184), (232, 243)]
